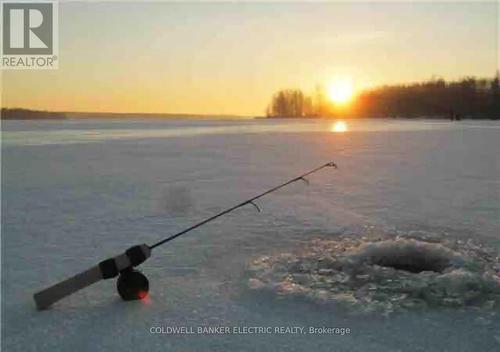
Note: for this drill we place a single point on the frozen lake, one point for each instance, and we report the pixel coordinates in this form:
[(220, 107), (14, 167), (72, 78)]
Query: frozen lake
[(78, 191)]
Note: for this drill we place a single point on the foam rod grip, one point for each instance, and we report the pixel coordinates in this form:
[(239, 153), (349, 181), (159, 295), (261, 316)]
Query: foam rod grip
[(49, 296)]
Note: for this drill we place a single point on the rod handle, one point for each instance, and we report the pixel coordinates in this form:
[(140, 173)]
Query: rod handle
[(107, 269), (52, 294)]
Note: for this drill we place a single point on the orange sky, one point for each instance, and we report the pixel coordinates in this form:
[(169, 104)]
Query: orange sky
[(228, 58)]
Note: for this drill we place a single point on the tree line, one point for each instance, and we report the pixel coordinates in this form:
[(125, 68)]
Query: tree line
[(469, 97), (26, 114)]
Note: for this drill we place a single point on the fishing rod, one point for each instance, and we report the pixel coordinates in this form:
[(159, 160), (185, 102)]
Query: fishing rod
[(132, 284)]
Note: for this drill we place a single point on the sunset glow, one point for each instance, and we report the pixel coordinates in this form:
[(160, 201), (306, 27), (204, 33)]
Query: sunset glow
[(183, 67)]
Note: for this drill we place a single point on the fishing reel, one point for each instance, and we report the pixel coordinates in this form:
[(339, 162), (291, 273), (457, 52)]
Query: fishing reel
[(132, 285)]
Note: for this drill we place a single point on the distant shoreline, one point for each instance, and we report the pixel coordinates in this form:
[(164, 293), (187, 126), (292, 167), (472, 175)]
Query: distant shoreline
[(156, 116), (29, 114), (34, 115)]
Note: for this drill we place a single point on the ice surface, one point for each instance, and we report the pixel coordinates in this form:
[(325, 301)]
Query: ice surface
[(71, 199)]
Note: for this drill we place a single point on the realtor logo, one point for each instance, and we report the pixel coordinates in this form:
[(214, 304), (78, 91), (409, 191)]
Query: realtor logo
[(29, 35)]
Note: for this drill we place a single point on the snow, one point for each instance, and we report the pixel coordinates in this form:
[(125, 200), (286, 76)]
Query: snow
[(76, 192), (384, 273)]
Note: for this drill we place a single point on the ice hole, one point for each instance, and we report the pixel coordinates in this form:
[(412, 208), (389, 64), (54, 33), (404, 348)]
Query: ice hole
[(413, 263), (411, 256)]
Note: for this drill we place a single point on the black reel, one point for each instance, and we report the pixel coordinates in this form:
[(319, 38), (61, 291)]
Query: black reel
[(132, 285)]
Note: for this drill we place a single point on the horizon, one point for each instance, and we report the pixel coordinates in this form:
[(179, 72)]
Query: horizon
[(173, 58), (351, 103)]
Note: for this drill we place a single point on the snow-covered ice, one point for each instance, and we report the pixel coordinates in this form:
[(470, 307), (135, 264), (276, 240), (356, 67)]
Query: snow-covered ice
[(385, 273), (76, 192)]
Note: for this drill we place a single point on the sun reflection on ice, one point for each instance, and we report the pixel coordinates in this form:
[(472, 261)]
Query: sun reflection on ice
[(339, 126)]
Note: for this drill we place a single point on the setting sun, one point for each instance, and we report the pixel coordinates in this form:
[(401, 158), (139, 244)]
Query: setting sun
[(341, 91)]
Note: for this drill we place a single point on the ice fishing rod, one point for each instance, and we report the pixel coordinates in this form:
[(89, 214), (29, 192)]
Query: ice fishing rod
[(132, 284)]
